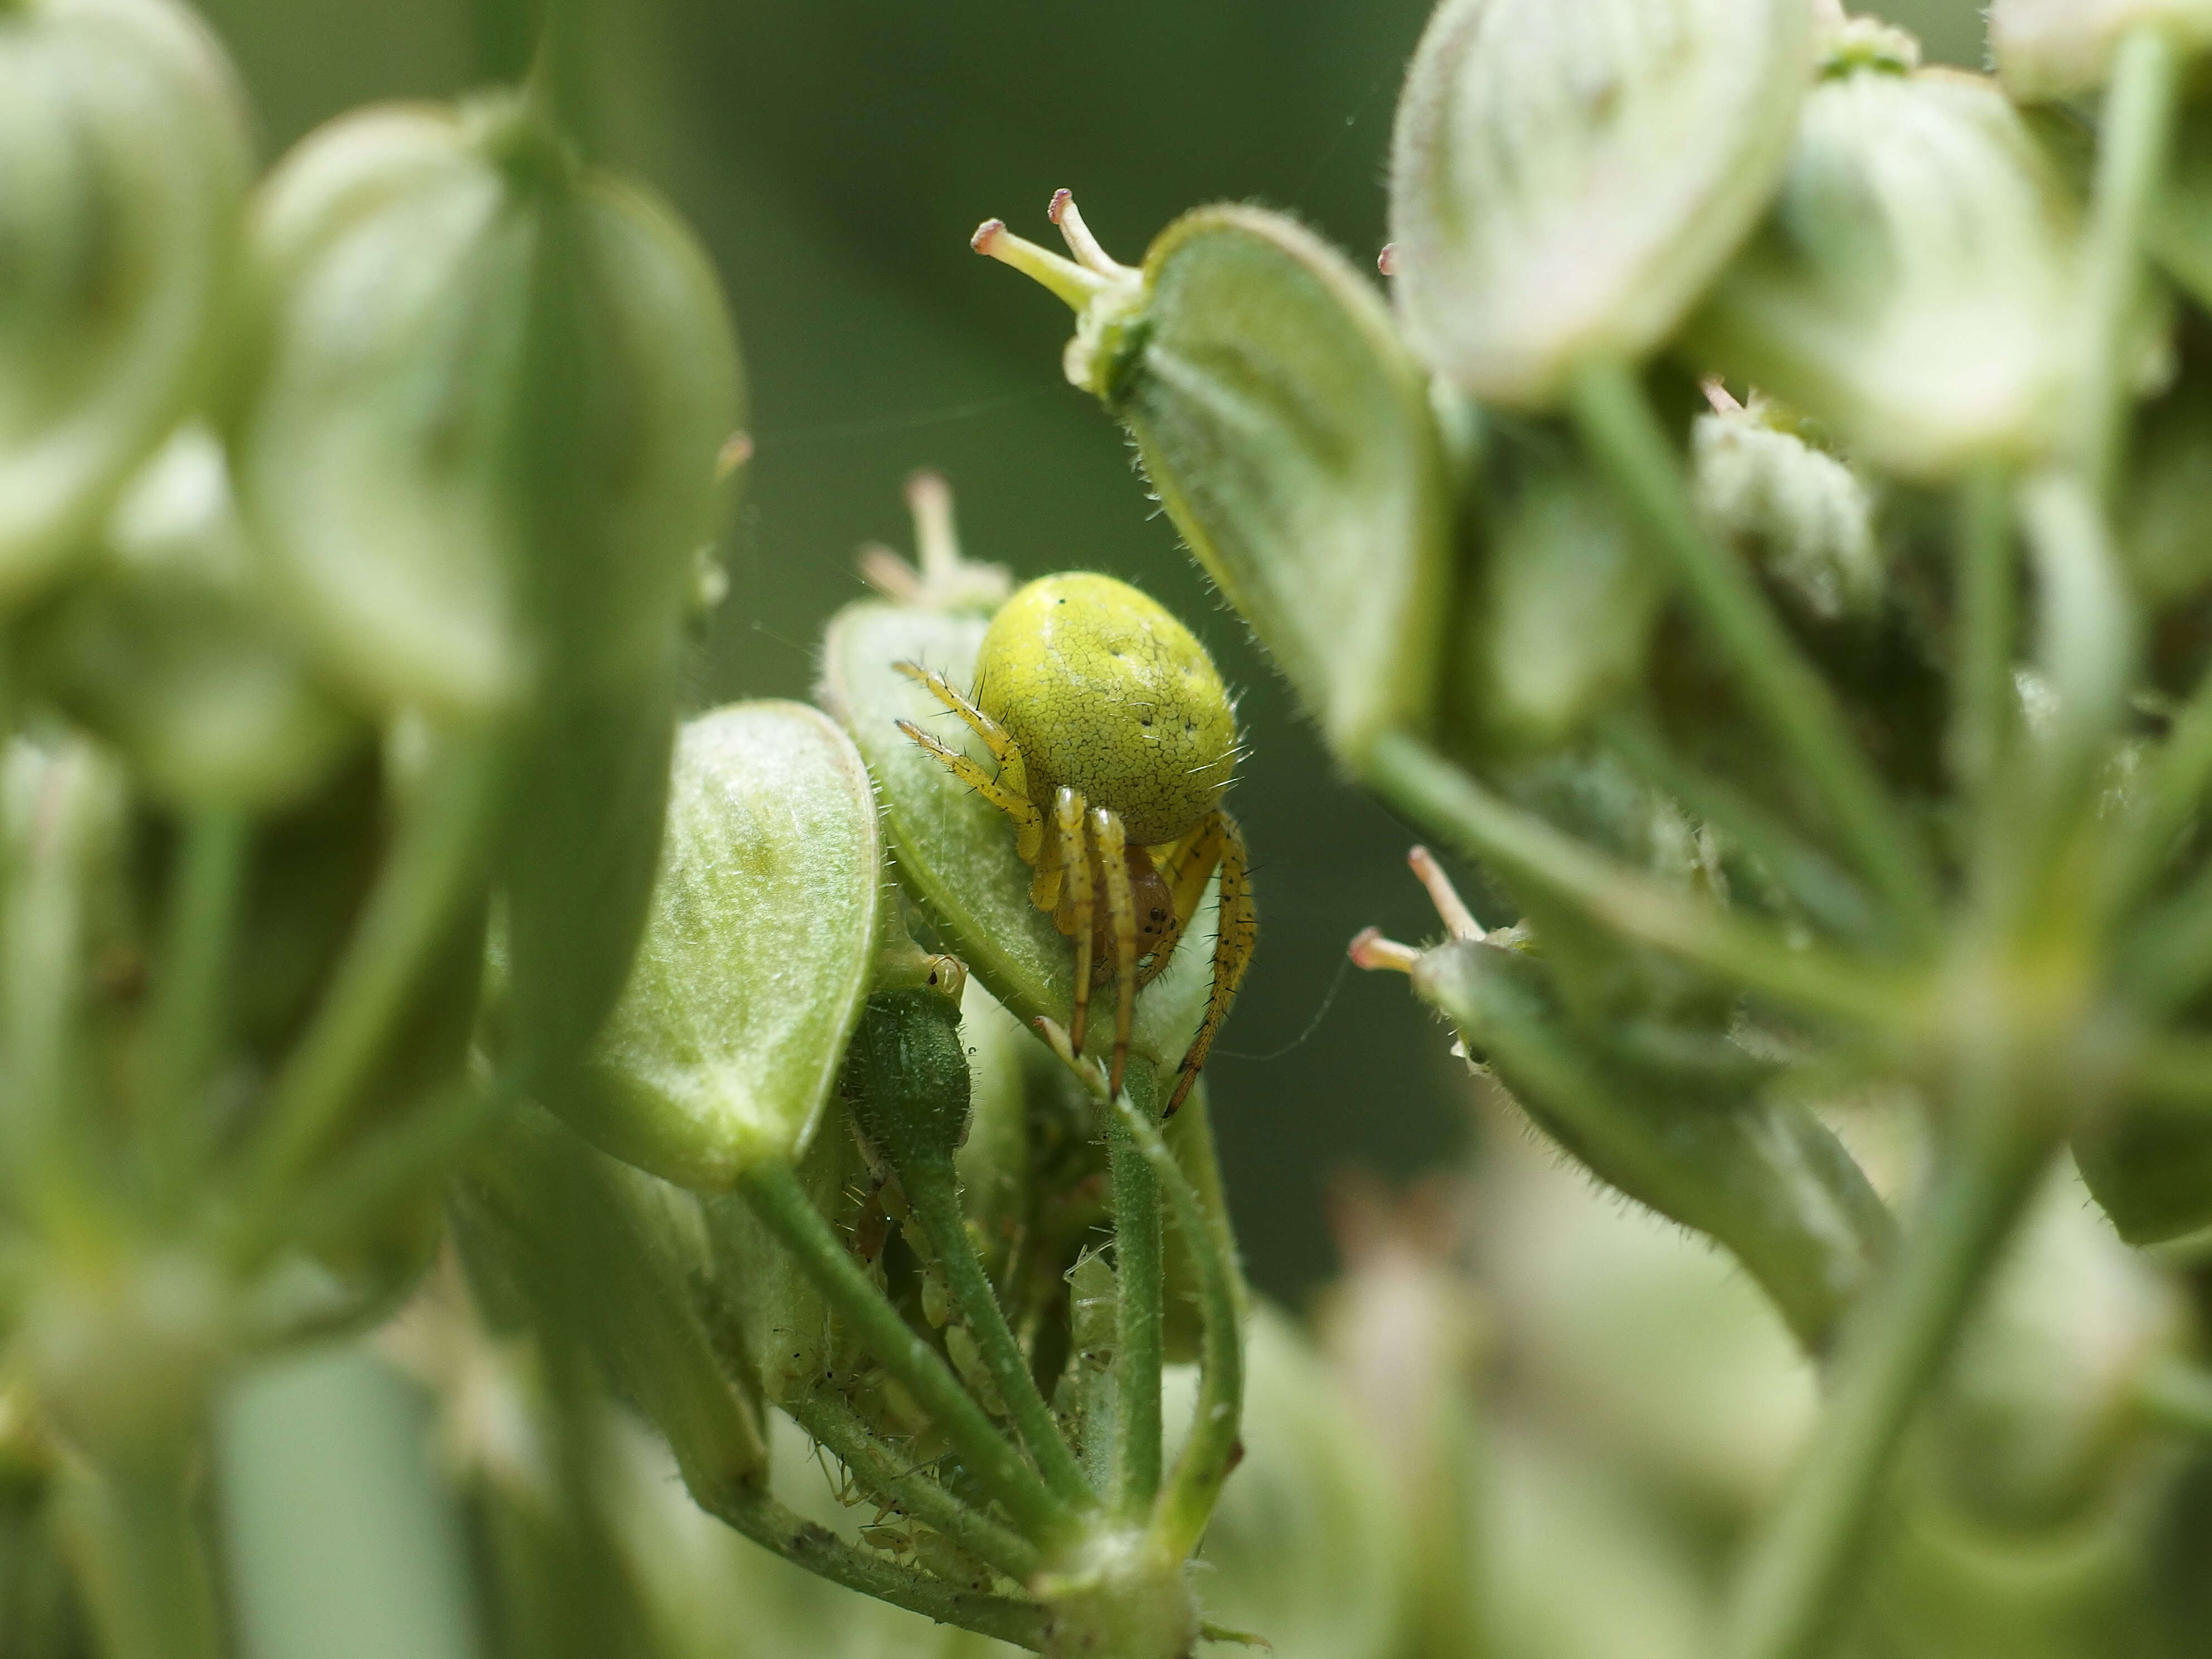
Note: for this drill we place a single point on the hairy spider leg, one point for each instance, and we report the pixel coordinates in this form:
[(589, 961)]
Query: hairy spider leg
[(1122, 917), (1238, 929), (1074, 869), (1010, 790), (1185, 864)]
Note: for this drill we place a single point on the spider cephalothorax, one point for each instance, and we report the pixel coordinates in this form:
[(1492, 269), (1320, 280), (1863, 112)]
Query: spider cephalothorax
[(1114, 741)]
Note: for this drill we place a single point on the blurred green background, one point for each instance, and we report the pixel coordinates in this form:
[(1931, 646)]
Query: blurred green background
[(835, 155)]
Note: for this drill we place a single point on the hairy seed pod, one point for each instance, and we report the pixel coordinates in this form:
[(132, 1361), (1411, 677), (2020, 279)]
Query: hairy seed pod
[(761, 940), (124, 154), (1566, 179), (907, 1081), (1802, 516), (2059, 48), (1916, 284)]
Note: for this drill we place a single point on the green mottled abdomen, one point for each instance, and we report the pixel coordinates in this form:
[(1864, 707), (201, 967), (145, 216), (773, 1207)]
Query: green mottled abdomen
[(1102, 690)]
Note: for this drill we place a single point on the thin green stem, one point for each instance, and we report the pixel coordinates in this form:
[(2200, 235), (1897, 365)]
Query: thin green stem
[(189, 994), (431, 873), (1208, 1452), (1829, 895), (895, 1480), (1522, 846), (1139, 1277), (1625, 438), (2178, 1393), (935, 1194), (2135, 134), (1988, 627), (141, 1560), (1800, 1566), (821, 1551), (773, 1191)]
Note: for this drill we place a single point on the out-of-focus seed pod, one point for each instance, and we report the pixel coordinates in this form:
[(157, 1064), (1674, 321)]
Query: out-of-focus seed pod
[(122, 146), (2059, 48), (2179, 230), (761, 940), (1308, 1546), (1566, 179), (993, 1162), (490, 387), (1915, 285), (1802, 516), (1564, 603), (1289, 435), (955, 851), (2041, 1408), (2149, 1168), (165, 647)]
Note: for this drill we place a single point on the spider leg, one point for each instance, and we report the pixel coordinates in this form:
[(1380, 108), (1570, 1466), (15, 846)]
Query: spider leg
[(1010, 790), (1120, 916), (1185, 864), (1237, 927), (1075, 872)]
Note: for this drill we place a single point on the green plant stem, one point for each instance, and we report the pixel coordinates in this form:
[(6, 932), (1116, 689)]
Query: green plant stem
[(2178, 1393), (2134, 135), (1829, 895), (190, 992), (1799, 1568), (431, 873), (800, 1541), (894, 1479), (1209, 1451), (1140, 1279), (773, 1191), (935, 1194), (141, 1559), (1988, 626), (2087, 630), (1522, 846), (1624, 437)]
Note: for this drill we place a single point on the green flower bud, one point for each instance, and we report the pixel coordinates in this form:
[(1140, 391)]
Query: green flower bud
[(906, 1081), (165, 647), (1802, 515), (1290, 437), (1565, 601), (1915, 286), (123, 143), (955, 851), (761, 933), (489, 388), (2149, 1168), (125, 1348), (1566, 179), (2058, 48), (2039, 1409)]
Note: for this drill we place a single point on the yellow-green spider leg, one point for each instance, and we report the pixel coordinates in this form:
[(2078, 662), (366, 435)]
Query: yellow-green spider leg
[(1122, 918), (1238, 929), (1076, 901), (1010, 790)]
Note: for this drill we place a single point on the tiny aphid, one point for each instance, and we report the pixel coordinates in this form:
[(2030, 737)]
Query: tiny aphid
[(1114, 740)]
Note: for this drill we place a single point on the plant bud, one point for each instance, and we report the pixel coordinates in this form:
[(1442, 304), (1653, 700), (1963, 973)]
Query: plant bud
[(955, 851), (2059, 48), (2149, 1168), (1289, 435), (489, 391), (1803, 517), (906, 1081), (122, 144), (1564, 603), (757, 951), (125, 1348), (165, 647), (1914, 286), (1566, 179)]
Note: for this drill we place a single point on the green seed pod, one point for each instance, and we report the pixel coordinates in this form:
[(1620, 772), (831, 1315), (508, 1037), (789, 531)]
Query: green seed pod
[(2060, 48), (1915, 286), (756, 955), (1802, 516), (2180, 229), (1563, 601), (955, 851), (1289, 435), (993, 1162), (488, 390), (123, 143), (165, 647), (2150, 1169), (1675, 1120), (907, 1081), (1566, 179)]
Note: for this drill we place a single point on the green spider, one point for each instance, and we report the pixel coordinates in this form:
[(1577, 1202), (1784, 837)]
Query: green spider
[(1115, 740)]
